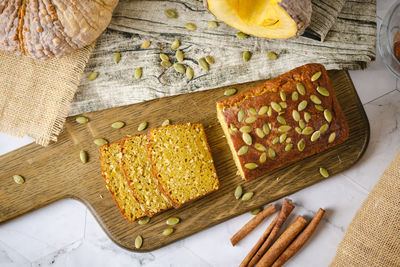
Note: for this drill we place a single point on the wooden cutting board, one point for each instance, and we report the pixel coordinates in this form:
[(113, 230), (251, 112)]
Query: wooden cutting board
[(56, 172)]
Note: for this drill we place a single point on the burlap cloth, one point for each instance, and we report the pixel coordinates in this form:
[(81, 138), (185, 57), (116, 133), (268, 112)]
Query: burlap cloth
[(35, 95), (373, 236)]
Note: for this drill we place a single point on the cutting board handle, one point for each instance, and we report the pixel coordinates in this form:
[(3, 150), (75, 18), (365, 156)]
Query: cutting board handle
[(42, 180)]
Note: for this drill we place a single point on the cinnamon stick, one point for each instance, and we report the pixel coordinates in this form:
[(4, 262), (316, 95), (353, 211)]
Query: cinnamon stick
[(252, 224), (286, 209), (259, 243), (300, 240), (282, 242)]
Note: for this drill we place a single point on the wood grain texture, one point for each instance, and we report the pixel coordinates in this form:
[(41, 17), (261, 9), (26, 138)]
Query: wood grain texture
[(56, 172), (350, 44)]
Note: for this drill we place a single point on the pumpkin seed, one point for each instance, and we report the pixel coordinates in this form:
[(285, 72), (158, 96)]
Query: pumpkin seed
[(230, 91), (302, 124), (83, 156), (322, 91), (100, 141), (263, 157), (210, 60), (315, 99), (250, 119), (241, 35), (281, 119), (168, 231), (255, 212), (260, 133), (319, 107), (298, 130), (166, 64), (296, 115), (179, 55), (189, 73), (269, 112), (288, 140), (92, 76), (246, 56), (307, 131), (190, 26), (238, 192), (164, 57), (295, 96), (138, 73), (241, 115), (288, 147), (175, 44), (271, 153), (145, 45), (263, 110), (118, 125), (144, 220), (307, 116), (172, 221), (275, 140), (315, 136), (18, 179), (212, 24), (247, 196), (275, 106), (266, 128), (282, 94), (138, 242), (324, 172), (328, 115), (247, 138), (250, 166), (284, 128), (117, 57), (231, 132), (203, 64), (259, 147), (171, 13), (253, 111), (301, 145), (302, 105), (245, 129), (142, 126), (233, 127), (324, 128), (282, 138), (301, 89), (179, 68), (81, 120), (243, 150), (165, 123), (316, 76), (272, 55), (283, 104), (331, 137)]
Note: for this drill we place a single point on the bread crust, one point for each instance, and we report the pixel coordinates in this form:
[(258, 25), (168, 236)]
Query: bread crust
[(150, 137), (263, 95)]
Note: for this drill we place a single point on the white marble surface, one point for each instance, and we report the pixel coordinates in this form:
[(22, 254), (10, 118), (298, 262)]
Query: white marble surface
[(66, 234)]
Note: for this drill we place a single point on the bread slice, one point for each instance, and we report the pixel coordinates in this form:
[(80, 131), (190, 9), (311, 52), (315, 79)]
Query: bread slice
[(266, 126), (111, 168), (137, 169), (181, 161)]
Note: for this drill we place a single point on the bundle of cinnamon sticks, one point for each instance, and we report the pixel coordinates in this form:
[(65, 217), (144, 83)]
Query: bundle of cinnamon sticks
[(266, 252)]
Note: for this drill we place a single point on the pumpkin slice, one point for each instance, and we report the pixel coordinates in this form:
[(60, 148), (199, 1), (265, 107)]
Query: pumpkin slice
[(274, 19)]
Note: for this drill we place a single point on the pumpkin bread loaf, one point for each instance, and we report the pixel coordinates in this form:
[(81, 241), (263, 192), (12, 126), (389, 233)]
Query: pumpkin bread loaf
[(181, 161), (116, 183), (139, 174), (282, 120)]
